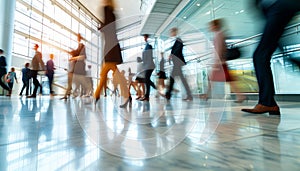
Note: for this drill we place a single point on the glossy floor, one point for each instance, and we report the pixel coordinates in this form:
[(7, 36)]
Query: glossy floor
[(50, 134)]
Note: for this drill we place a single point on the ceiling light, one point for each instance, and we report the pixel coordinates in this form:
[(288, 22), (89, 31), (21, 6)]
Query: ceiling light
[(121, 9), (184, 17), (198, 5)]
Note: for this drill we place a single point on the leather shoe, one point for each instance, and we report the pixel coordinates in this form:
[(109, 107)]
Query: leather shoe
[(145, 99), (259, 109), (32, 96)]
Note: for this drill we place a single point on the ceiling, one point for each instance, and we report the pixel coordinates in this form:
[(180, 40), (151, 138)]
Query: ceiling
[(124, 9), (241, 18)]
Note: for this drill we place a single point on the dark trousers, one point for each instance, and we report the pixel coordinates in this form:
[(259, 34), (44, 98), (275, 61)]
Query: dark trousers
[(277, 17), (149, 83), (50, 79), (36, 82), (177, 71), (25, 85), (10, 85)]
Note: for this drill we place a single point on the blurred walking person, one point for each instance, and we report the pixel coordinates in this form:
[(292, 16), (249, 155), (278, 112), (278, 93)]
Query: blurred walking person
[(25, 79), (220, 71), (148, 66), (278, 14), (10, 79), (112, 50), (37, 64), (3, 71), (50, 72), (77, 72), (178, 62)]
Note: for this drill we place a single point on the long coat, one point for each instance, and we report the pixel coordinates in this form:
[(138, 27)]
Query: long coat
[(112, 50)]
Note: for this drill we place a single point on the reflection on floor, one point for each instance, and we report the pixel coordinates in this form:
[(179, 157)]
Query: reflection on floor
[(50, 134)]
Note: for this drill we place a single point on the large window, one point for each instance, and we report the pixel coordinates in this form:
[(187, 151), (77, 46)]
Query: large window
[(54, 25)]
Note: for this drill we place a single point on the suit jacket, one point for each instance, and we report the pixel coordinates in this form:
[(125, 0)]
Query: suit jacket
[(147, 57), (2, 65), (176, 53), (37, 62)]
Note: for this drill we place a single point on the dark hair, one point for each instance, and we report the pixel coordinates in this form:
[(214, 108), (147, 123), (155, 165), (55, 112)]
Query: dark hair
[(146, 35), (27, 65), (217, 22), (1, 51)]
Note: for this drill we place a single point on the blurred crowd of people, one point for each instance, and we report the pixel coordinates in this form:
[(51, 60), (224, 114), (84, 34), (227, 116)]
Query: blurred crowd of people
[(277, 13)]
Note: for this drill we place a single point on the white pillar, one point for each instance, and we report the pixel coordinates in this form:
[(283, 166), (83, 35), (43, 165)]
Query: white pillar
[(7, 11)]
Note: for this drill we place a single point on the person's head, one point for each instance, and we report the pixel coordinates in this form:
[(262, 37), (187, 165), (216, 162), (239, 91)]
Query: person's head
[(51, 56), (216, 25), (79, 37), (146, 36), (173, 32), (1, 51), (36, 46), (27, 65), (110, 3), (12, 69)]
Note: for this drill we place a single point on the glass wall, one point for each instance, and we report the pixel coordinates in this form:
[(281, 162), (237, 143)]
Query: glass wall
[(53, 24)]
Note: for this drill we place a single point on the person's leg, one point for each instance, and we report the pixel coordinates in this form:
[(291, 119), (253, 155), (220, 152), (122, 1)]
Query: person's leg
[(50, 79), (171, 84), (277, 19), (27, 87), (121, 80), (148, 82), (103, 77), (185, 84), (69, 86), (23, 87), (35, 83)]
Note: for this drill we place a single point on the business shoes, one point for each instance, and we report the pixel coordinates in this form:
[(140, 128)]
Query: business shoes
[(260, 109), (188, 99), (63, 98), (32, 96), (145, 99)]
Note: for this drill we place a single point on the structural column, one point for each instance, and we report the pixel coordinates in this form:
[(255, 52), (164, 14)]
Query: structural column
[(7, 11)]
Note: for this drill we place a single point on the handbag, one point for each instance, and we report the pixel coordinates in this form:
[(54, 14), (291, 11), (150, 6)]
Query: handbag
[(232, 53)]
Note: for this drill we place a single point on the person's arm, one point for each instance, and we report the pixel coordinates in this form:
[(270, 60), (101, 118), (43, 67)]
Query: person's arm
[(15, 75), (77, 58)]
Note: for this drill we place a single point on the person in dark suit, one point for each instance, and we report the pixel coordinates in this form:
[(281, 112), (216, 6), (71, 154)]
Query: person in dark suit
[(178, 62), (112, 49), (149, 66), (25, 79), (3, 71), (278, 14)]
